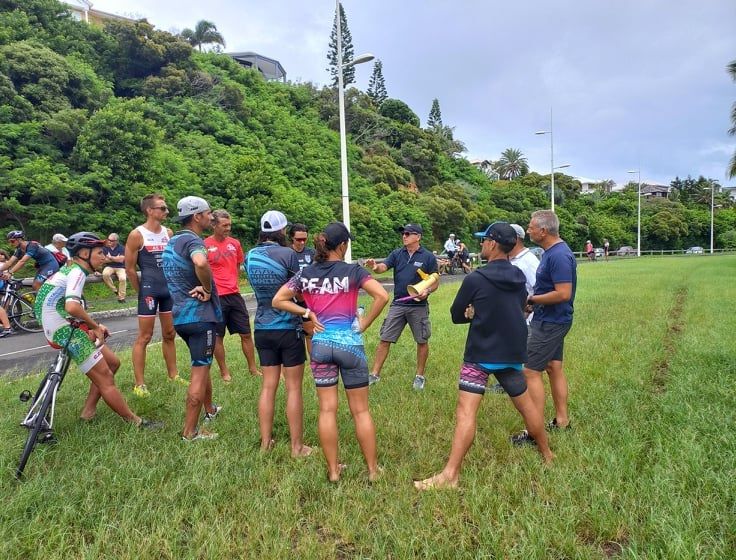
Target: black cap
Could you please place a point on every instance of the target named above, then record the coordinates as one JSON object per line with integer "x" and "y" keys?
{"x": 501, "y": 232}
{"x": 336, "y": 233}
{"x": 410, "y": 228}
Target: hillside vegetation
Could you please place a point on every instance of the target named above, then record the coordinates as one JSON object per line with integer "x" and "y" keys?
{"x": 92, "y": 119}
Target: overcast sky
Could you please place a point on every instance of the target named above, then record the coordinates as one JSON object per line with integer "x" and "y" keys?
{"x": 631, "y": 82}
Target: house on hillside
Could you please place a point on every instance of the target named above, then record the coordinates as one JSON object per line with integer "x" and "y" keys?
{"x": 730, "y": 191}
{"x": 83, "y": 11}
{"x": 269, "y": 67}
{"x": 486, "y": 167}
{"x": 587, "y": 185}
{"x": 655, "y": 190}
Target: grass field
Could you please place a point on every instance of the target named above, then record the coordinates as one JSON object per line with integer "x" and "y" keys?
{"x": 647, "y": 472}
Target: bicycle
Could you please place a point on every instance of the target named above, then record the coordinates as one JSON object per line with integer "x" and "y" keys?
{"x": 456, "y": 264}
{"x": 40, "y": 417}
{"x": 19, "y": 302}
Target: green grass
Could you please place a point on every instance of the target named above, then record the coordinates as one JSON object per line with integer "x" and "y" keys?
{"x": 647, "y": 472}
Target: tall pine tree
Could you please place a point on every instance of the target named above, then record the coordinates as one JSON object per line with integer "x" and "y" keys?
{"x": 348, "y": 75}
{"x": 377, "y": 85}
{"x": 435, "y": 115}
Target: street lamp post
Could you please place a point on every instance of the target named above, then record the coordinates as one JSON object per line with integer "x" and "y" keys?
{"x": 551, "y": 158}
{"x": 713, "y": 206}
{"x": 638, "y": 211}
{"x": 343, "y": 140}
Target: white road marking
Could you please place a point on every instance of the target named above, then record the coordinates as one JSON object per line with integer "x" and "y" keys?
{"x": 46, "y": 346}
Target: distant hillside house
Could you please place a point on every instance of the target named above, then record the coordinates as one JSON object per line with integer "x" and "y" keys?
{"x": 655, "y": 190}
{"x": 82, "y": 10}
{"x": 587, "y": 185}
{"x": 270, "y": 68}
{"x": 730, "y": 191}
{"x": 485, "y": 166}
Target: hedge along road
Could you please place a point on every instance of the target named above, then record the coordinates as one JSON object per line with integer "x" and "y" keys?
{"x": 28, "y": 353}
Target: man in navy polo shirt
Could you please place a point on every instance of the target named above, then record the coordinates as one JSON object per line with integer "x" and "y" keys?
{"x": 406, "y": 263}
{"x": 552, "y": 302}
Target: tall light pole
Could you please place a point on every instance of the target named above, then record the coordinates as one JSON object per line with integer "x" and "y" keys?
{"x": 712, "y": 190}
{"x": 638, "y": 211}
{"x": 551, "y": 157}
{"x": 343, "y": 140}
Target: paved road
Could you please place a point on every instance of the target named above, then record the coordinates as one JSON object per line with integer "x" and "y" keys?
{"x": 27, "y": 353}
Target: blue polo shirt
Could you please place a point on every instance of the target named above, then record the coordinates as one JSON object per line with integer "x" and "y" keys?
{"x": 557, "y": 266}
{"x": 405, "y": 271}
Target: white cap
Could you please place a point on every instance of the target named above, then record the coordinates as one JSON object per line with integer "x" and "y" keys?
{"x": 59, "y": 237}
{"x": 189, "y": 206}
{"x": 519, "y": 231}
{"x": 452, "y": 235}
{"x": 273, "y": 220}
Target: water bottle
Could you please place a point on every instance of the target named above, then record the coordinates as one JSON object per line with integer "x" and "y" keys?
{"x": 356, "y": 321}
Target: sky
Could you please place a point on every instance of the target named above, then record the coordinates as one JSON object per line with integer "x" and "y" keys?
{"x": 632, "y": 84}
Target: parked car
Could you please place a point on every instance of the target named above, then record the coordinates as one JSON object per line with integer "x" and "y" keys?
{"x": 626, "y": 251}
{"x": 598, "y": 252}
{"x": 695, "y": 251}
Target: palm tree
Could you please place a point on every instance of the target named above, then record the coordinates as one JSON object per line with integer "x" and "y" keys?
{"x": 205, "y": 33}
{"x": 732, "y": 131}
{"x": 512, "y": 164}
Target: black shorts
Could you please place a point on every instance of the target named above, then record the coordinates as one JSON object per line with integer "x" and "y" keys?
{"x": 234, "y": 315}
{"x": 200, "y": 338}
{"x": 280, "y": 347}
{"x": 152, "y": 300}
{"x": 546, "y": 343}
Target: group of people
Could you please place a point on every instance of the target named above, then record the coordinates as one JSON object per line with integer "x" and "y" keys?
{"x": 308, "y": 307}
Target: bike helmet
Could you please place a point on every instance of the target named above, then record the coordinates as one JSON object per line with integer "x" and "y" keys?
{"x": 16, "y": 234}
{"x": 83, "y": 240}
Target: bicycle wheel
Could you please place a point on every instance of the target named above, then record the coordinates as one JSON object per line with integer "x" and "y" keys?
{"x": 38, "y": 423}
{"x": 23, "y": 315}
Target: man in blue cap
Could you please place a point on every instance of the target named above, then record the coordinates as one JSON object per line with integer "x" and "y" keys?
{"x": 492, "y": 299}
{"x": 406, "y": 262}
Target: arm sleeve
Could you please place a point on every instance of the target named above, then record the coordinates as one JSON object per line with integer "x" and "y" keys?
{"x": 361, "y": 275}
{"x": 431, "y": 264}
{"x": 390, "y": 261}
{"x": 560, "y": 269}
{"x": 240, "y": 252}
{"x": 75, "y": 280}
{"x": 463, "y": 298}
{"x": 292, "y": 266}
{"x": 195, "y": 245}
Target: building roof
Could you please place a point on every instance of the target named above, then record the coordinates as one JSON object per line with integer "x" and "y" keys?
{"x": 269, "y": 67}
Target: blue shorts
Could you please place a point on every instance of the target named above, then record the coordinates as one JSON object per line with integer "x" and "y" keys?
{"x": 151, "y": 301}
{"x": 200, "y": 338}
{"x": 330, "y": 359}
{"x": 43, "y": 274}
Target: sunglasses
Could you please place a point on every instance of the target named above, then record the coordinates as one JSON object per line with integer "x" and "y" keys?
{"x": 300, "y": 239}
{"x": 408, "y": 233}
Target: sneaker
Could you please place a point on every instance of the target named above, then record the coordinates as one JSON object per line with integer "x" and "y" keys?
{"x": 200, "y": 435}
{"x": 523, "y": 438}
{"x": 497, "y": 388}
{"x": 212, "y": 415}
{"x": 6, "y": 332}
{"x": 179, "y": 379}
{"x": 373, "y": 378}
{"x": 150, "y": 424}
{"x": 419, "y": 382}
{"x": 552, "y": 425}
{"x": 141, "y": 391}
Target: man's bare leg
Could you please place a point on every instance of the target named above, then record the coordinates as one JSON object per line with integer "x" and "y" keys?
{"x": 90, "y": 405}
{"x": 168, "y": 344}
{"x": 465, "y": 424}
{"x": 145, "y": 333}
{"x": 535, "y": 386}
{"x": 267, "y": 403}
{"x": 422, "y": 355}
{"x": 196, "y": 398}
{"x": 249, "y": 351}
{"x": 558, "y": 387}
{"x": 534, "y": 423}
{"x": 220, "y": 359}
{"x": 382, "y": 351}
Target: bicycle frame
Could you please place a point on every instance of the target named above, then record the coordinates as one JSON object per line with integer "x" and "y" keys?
{"x": 58, "y": 369}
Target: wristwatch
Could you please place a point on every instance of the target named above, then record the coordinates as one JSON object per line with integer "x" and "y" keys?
{"x": 306, "y": 313}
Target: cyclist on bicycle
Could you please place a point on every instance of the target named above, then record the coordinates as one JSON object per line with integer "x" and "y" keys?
{"x": 450, "y": 246}
{"x": 464, "y": 256}
{"x": 46, "y": 263}
{"x": 60, "y": 299}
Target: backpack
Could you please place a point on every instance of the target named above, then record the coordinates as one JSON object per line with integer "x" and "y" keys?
{"x": 60, "y": 257}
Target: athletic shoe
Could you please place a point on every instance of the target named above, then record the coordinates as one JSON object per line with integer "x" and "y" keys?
{"x": 212, "y": 415}
{"x": 141, "y": 391}
{"x": 150, "y": 424}
{"x": 497, "y": 388}
{"x": 418, "y": 382}
{"x": 373, "y": 378}
{"x": 523, "y": 438}
{"x": 200, "y": 435}
{"x": 179, "y": 379}
{"x": 552, "y": 425}
{"x": 6, "y": 332}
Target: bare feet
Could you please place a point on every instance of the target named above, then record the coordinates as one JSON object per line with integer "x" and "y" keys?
{"x": 303, "y": 451}
{"x": 227, "y": 378}
{"x": 87, "y": 417}
{"x": 257, "y": 372}
{"x": 268, "y": 446}
{"x": 335, "y": 477}
{"x": 375, "y": 475}
{"x": 548, "y": 458}
{"x": 437, "y": 481}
